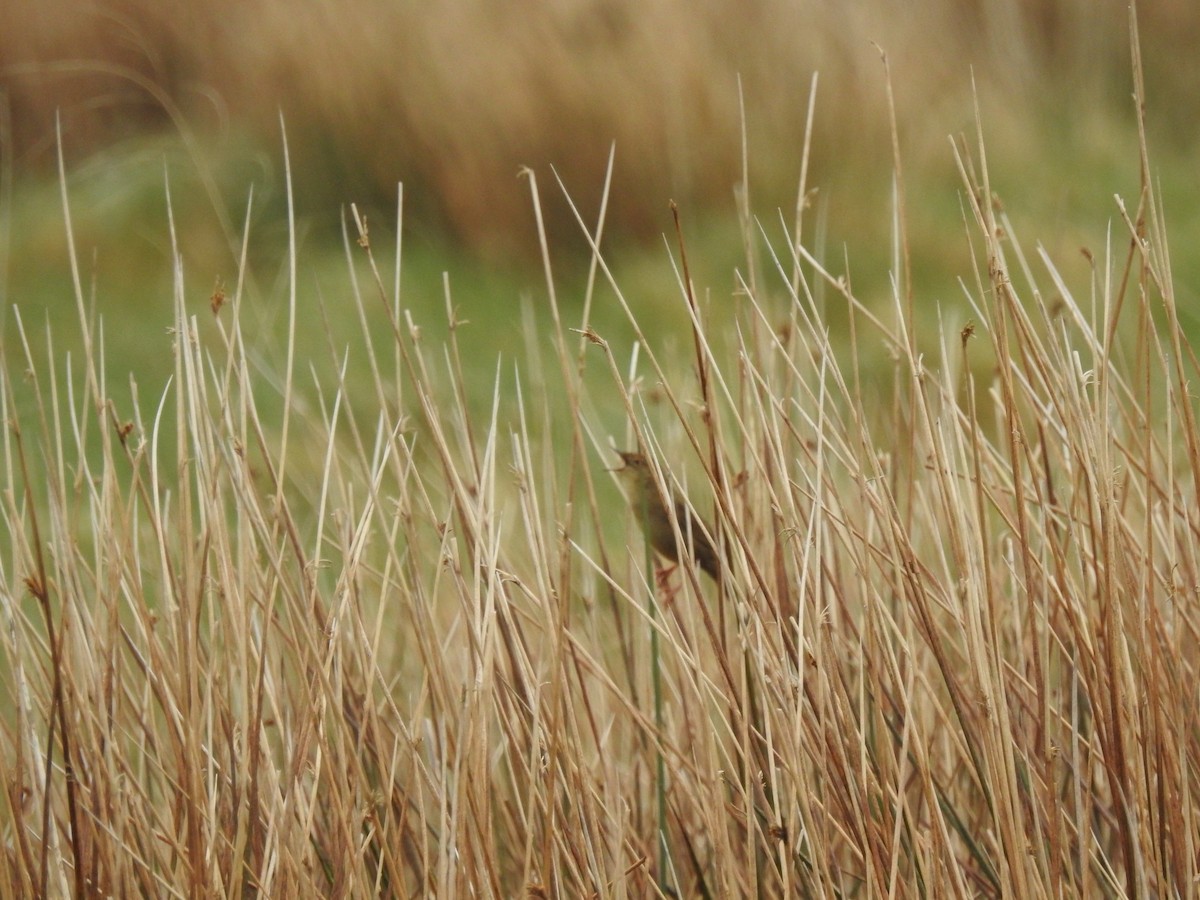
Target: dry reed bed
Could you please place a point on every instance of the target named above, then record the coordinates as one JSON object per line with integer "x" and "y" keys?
{"x": 418, "y": 652}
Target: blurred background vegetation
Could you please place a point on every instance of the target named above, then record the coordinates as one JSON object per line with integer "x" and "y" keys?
{"x": 453, "y": 98}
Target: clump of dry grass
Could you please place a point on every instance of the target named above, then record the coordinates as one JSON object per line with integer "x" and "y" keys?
{"x": 312, "y": 652}
{"x": 453, "y": 99}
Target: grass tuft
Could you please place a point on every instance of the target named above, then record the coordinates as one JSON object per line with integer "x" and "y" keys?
{"x": 258, "y": 639}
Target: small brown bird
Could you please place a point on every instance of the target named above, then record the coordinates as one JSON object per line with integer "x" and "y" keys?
{"x": 656, "y": 523}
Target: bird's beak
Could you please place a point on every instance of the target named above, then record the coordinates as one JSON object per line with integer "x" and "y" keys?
{"x": 625, "y": 457}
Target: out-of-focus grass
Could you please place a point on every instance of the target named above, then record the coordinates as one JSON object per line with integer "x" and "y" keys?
{"x": 453, "y": 100}
{"x": 373, "y": 94}
{"x": 118, "y": 204}
{"x": 1061, "y": 178}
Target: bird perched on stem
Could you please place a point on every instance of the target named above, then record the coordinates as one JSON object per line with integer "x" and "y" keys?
{"x": 655, "y": 521}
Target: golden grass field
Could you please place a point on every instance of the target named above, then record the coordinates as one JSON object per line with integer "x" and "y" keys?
{"x": 310, "y": 596}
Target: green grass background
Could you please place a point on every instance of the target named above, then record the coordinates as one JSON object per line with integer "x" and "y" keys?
{"x": 139, "y": 116}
